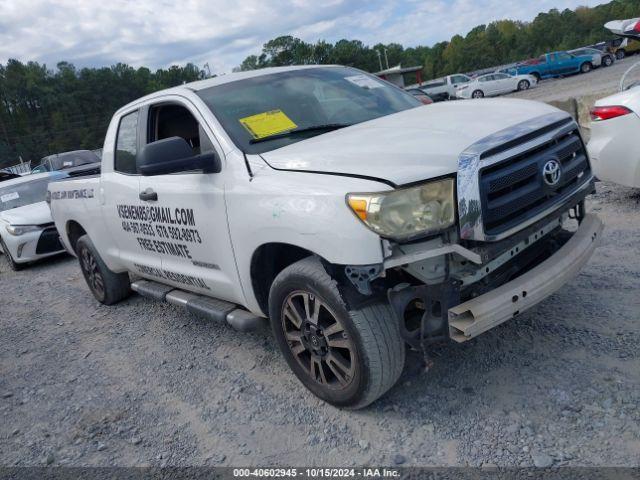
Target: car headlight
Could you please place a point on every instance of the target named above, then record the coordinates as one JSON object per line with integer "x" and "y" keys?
{"x": 18, "y": 230}
{"x": 407, "y": 212}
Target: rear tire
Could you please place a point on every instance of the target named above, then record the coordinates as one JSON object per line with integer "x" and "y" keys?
{"x": 607, "y": 61}
{"x": 314, "y": 328}
{"x": 477, "y": 94}
{"x": 8, "y": 259}
{"x": 585, "y": 67}
{"x": 620, "y": 54}
{"x": 107, "y": 287}
{"x": 523, "y": 85}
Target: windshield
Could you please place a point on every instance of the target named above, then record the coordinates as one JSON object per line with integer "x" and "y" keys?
{"x": 22, "y": 194}
{"x": 264, "y": 113}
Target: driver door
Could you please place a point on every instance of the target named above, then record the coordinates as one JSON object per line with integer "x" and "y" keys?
{"x": 188, "y": 209}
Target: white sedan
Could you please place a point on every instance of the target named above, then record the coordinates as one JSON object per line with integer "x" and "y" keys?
{"x": 27, "y": 232}
{"x": 613, "y": 147}
{"x": 495, "y": 84}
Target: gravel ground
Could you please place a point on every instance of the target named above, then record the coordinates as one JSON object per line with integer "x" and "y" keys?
{"x": 603, "y": 81}
{"x": 143, "y": 383}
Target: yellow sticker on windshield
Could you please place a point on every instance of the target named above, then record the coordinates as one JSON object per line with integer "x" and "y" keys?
{"x": 267, "y": 124}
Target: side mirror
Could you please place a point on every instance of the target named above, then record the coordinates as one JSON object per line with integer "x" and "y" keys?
{"x": 173, "y": 155}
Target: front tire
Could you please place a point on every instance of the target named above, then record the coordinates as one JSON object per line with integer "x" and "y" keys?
{"x": 107, "y": 287}
{"x": 477, "y": 94}
{"x": 523, "y": 85}
{"x": 8, "y": 259}
{"x": 347, "y": 358}
{"x": 585, "y": 67}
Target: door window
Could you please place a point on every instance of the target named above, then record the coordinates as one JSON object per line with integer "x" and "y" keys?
{"x": 127, "y": 144}
{"x": 172, "y": 120}
{"x": 460, "y": 79}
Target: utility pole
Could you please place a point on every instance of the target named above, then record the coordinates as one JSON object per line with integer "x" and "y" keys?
{"x": 380, "y": 59}
{"x": 386, "y": 60}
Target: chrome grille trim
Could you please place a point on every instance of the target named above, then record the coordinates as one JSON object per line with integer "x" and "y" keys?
{"x": 472, "y": 160}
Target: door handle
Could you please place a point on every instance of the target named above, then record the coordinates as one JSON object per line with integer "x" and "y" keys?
{"x": 148, "y": 195}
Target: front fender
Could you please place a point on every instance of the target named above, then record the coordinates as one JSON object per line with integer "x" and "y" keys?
{"x": 304, "y": 210}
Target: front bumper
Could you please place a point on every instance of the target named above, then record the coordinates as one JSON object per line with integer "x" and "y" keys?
{"x": 482, "y": 313}
{"x": 24, "y": 248}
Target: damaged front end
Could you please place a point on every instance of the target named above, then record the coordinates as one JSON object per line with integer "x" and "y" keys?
{"x": 522, "y": 233}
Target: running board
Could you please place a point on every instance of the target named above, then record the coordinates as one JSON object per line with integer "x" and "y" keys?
{"x": 199, "y": 305}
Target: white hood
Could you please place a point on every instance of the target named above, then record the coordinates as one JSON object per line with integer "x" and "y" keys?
{"x": 34, "y": 214}
{"x": 409, "y": 146}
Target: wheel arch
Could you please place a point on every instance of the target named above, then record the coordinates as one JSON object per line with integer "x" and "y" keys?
{"x": 74, "y": 231}
{"x": 267, "y": 261}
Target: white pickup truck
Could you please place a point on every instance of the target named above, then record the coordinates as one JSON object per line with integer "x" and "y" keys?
{"x": 338, "y": 206}
{"x": 445, "y": 88}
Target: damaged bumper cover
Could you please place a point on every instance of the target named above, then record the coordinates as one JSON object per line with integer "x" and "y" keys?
{"x": 482, "y": 313}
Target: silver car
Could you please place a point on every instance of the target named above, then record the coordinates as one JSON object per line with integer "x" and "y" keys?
{"x": 600, "y": 58}
{"x": 27, "y": 232}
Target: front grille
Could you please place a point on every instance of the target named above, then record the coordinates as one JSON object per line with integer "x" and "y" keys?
{"x": 513, "y": 190}
{"x": 49, "y": 241}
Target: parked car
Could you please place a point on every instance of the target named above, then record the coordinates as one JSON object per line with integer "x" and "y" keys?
{"x": 615, "y": 123}
{"x": 629, "y": 31}
{"x": 625, "y": 47}
{"x": 444, "y": 88}
{"x": 27, "y": 232}
{"x": 61, "y": 161}
{"x": 495, "y": 84}
{"x": 321, "y": 197}
{"x": 420, "y": 95}
{"x": 554, "y": 65}
{"x": 600, "y": 58}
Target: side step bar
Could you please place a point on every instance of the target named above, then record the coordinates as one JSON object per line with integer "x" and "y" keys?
{"x": 199, "y": 305}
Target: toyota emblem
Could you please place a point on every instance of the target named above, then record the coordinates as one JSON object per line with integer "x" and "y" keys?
{"x": 551, "y": 172}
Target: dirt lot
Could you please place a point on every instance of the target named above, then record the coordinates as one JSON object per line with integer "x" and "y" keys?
{"x": 144, "y": 383}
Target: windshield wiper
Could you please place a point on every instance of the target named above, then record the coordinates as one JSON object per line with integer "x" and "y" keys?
{"x": 327, "y": 126}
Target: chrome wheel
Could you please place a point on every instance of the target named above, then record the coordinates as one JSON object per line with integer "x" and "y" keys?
{"x": 523, "y": 85}
{"x": 478, "y": 94}
{"x": 318, "y": 341}
{"x": 92, "y": 273}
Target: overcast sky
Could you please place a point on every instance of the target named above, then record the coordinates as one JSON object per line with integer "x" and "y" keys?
{"x": 157, "y": 33}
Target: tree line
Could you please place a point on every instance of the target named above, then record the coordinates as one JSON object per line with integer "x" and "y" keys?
{"x": 44, "y": 111}
{"x": 498, "y": 43}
